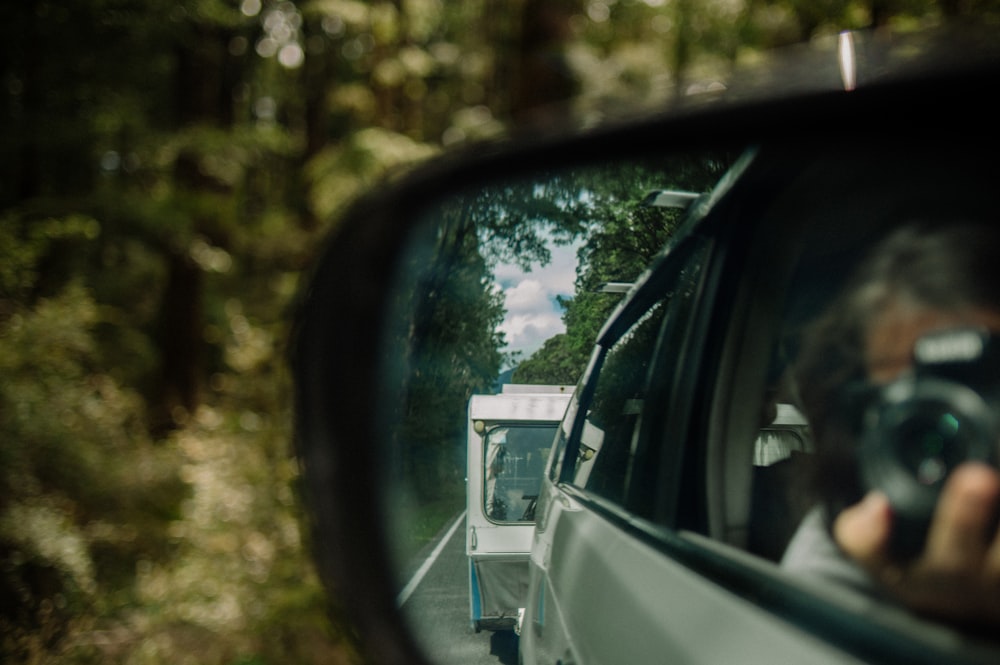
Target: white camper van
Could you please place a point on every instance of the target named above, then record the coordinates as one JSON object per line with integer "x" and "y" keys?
{"x": 510, "y": 435}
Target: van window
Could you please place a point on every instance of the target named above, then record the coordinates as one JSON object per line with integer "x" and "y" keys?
{"x": 514, "y": 462}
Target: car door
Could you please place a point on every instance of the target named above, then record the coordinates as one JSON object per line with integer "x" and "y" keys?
{"x": 631, "y": 559}
{"x": 592, "y": 572}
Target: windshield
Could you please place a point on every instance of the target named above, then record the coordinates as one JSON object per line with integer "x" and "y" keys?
{"x": 514, "y": 461}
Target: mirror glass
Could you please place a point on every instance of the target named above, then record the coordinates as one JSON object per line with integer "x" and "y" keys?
{"x": 507, "y": 284}
{"x": 477, "y": 375}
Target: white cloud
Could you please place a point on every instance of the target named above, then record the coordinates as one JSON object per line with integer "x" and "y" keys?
{"x": 531, "y": 319}
{"x": 528, "y": 295}
{"x": 533, "y": 315}
{"x": 557, "y": 277}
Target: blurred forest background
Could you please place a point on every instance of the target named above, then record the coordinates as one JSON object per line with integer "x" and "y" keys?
{"x": 168, "y": 169}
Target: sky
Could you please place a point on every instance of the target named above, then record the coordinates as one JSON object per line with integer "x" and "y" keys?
{"x": 533, "y": 315}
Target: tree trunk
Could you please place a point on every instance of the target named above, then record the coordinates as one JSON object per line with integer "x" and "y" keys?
{"x": 205, "y": 76}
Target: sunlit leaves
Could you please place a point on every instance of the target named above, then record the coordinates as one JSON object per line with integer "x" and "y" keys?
{"x": 350, "y": 13}
{"x": 75, "y": 452}
{"x": 340, "y": 173}
{"x": 282, "y": 34}
{"x": 46, "y": 533}
{"x": 23, "y": 244}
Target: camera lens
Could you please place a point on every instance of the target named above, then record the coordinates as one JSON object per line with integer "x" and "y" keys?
{"x": 915, "y": 431}
{"x": 932, "y": 442}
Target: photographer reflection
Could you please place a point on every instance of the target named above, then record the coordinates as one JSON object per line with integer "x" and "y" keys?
{"x": 900, "y": 381}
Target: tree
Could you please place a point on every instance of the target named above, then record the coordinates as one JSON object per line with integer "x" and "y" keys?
{"x": 167, "y": 169}
{"x": 451, "y": 318}
{"x": 624, "y": 237}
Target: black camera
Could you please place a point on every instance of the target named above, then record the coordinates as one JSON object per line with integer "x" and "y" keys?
{"x": 916, "y": 430}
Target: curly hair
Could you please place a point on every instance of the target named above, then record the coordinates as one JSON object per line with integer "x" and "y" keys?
{"x": 948, "y": 266}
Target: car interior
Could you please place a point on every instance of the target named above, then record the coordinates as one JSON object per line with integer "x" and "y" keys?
{"x": 809, "y": 231}
{"x": 790, "y": 228}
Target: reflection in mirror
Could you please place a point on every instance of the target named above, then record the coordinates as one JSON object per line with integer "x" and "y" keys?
{"x": 461, "y": 325}
{"x": 514, "y": 461}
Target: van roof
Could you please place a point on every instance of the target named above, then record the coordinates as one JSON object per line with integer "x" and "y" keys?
{"x": 529, "y": 407}
{"x": 521, "y": 388}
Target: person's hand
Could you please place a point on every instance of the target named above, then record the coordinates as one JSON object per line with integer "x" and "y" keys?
{"x": 957, "y": 576}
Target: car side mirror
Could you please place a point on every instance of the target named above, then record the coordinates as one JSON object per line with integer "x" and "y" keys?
{"x": 358, "y": 345}
{"x": 358, "y": 324}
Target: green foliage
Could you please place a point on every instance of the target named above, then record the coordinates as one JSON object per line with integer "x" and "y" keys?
{"x": 83, "y": 489}
{"x": 451, "y": 316}
{"x": 25, "y": 243}
{"x": 340, "y": 173}
{"x": 166, "y": 170}
{"x": 416, "y": 523}
{"x": 622, "y": 238}
{"x": 556, "y": 363}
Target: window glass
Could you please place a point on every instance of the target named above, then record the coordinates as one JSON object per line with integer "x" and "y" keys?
{"x": 514, "y": 463}
{"x": 562, "y": 436}
{"x": 654, "y": 475}
{"x": 606, "y": 438}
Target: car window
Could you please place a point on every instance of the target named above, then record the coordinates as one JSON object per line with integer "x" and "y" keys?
{"x": 609, "y": 424}
{"x": 614, "y": 460}
{"x": 655, "y": 482}
{"x": 562, "y": 436}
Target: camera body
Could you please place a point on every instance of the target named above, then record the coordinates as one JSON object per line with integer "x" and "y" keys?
{"x": 916, "y": 430}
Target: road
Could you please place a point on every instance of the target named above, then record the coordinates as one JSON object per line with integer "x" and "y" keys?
{"x": 437, "y": 606}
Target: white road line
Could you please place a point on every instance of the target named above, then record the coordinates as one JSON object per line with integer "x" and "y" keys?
{"x": 404, "y": 595}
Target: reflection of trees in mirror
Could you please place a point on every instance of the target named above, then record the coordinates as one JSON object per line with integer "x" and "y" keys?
{"x": 622, "y": 238}
{"x": 449, "y": 307}
{"x": 616, "y": 404}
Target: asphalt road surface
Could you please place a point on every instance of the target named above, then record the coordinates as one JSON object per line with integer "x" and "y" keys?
{"x": 436, "y": 603}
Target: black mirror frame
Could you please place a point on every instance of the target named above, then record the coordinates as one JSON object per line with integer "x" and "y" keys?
{"x": 335, "y": 348}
